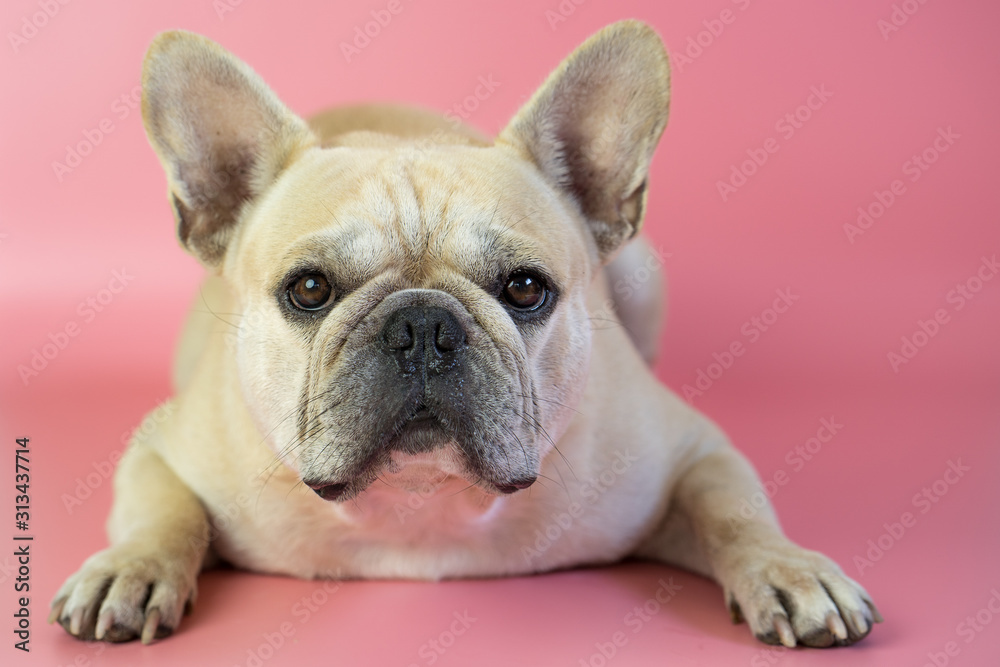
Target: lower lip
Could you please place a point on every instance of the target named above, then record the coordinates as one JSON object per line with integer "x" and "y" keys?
{"x": 422, "y": 415}
{"x": 331, "y": 492}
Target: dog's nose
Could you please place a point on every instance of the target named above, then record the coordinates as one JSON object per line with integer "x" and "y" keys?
{"x": 423, "y": 335}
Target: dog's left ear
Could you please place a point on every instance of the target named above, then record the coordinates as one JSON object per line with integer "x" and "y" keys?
{"x": 592, "y": 127}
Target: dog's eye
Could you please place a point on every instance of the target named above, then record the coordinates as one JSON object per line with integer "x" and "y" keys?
{"x": 524, "y": 291}
{"x": 310, "y": 291}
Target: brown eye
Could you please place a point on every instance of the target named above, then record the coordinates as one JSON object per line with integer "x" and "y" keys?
{"x": 524, "y": 291}
{"x": 310, "y": 291}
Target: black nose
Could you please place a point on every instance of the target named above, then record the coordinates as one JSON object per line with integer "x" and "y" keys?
{"x": 423, "y": 336}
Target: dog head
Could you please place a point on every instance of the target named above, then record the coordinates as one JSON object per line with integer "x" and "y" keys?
{"x": 411, "y": 298}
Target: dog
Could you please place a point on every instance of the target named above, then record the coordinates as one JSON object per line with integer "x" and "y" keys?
{"x": 401, "y": 364}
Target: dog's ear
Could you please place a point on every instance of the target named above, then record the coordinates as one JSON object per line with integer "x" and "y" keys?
{"x": 592, "y": 127}
{"x": 221, "y": 134}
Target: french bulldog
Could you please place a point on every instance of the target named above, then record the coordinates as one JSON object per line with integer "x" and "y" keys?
{"x": 408, "y": 359}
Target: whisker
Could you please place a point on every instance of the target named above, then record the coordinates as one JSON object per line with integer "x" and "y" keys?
{"x": 560, "y": 485}
{"x": 470, "y": 486}
{"x": 549, "y": 400}
{"x": 495, "y": 209}
{"x": 208, "y": 308}
{"x": 293, "y": 487}
{"x": 522, "y": 219}
{"x": 300, "y": 439}
{"x": 293, "y": 411}
{"x": 534, "y": 421}
{"x": 274, "y": 467}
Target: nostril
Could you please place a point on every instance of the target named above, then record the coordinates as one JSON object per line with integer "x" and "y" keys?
{"x": 449, "y": 336}
{"x": 400, "y": 336}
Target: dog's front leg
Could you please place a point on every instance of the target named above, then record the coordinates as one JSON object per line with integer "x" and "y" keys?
{"x": 139, "y": 586}
{"x": 786, "y": 594}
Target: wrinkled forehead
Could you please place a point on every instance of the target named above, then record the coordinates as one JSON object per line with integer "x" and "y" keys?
{"x": 460, "y": 208}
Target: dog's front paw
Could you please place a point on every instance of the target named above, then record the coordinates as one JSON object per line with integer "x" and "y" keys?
{"x": 789, "y": 595}
{"x": 124, "y": 593}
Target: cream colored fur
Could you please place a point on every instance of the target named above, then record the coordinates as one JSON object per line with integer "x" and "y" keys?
{"x": 408, "y": 198}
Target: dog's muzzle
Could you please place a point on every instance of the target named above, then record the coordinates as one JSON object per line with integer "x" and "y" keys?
{"x": 427, "y": 391}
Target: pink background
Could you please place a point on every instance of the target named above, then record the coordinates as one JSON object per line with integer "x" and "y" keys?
{"x": 61, "y": 241}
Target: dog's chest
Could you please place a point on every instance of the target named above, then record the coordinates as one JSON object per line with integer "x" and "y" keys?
{"x": 422, "y": 513}
{"x": 434, "y": 532}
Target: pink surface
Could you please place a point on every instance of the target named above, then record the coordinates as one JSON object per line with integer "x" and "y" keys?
{"x": 880, "y": 97}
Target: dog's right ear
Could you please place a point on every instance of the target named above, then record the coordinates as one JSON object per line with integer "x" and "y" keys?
{"x": 222, "y": 135}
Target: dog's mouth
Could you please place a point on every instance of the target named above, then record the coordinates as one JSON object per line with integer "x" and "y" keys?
{"x": 421, "y": 451}
{"x": 422, "y": 413}
{"x": 423, "y": 430}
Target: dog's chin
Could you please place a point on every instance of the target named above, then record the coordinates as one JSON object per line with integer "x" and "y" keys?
{"x": 405, "y": 470}
{"x": 424, "y": 473}
{"x": 424, "y": 459}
